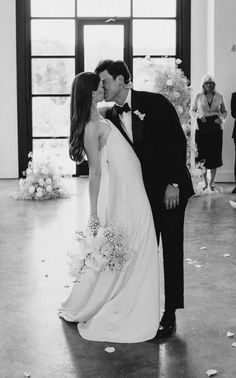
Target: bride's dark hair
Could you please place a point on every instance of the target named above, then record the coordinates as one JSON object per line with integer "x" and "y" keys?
{"x": 81, "y": 100}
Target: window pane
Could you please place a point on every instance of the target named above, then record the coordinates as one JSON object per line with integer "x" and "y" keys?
{"x": 142, "y": 68}
{"x": 51, "y": 116}
{"x": 53, "y": 37}
{"x": 52, "y": 75}
{"x": 58, "y": 151}
{"x": 154, "y": 37}
{"x": 154, "y": 8}
{"x": 52, "y": 8}
{"x": 103, "y": 8}
{"x": 102, "y": 42}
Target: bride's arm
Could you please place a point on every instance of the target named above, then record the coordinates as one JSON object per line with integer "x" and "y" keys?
{"x": 91, "y": 145}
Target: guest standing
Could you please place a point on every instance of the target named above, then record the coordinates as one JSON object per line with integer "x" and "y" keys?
{"x": 233, "y": 113}
{"x": 209, "y": 109}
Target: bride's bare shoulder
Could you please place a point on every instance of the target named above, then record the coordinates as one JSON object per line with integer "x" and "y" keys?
{"x": 91, "y": 129}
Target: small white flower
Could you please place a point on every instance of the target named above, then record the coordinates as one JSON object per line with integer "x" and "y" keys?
{"x": 49, "y": 181}
{"x": 29, "y": 171}
{"x": 180, "y": 109}
{"x": 30, "y": 154}
{"x": 41, "y": 182}
{"x": 176, "y": 94}
{"x": 140, "y": 115}
{"x": 233, "y": 204}
{"x": 44, "y": 171}
{"x": 109, "y": 349}
{"x": 49, "y": 188}
{"x": 39, "y": 194}
{"x": 178, "y": 61}
{"x": 31, "y": 189}
{"x": 27, "y": 374}
{"x": 169, "y": 83}
{"x": 211, "y": 372}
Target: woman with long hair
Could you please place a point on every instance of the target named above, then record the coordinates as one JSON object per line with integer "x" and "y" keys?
{"x": 116, "y": 305}
{"x": 209, "y": 109}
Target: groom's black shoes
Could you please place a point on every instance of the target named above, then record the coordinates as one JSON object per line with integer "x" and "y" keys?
{"x": 167, "y": 325}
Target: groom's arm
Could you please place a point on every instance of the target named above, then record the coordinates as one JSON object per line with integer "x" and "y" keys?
{"x": 172, "y": 135}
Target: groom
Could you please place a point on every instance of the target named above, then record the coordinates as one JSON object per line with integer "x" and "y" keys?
{"x": 151, "y": 125}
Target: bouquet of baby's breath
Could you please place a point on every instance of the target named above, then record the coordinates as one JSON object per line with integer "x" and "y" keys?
{"x": 90, "y": 254}
{"x": 42, "y": 181}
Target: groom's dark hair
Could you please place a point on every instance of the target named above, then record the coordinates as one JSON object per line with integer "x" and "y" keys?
{"x": 114, "y": 68}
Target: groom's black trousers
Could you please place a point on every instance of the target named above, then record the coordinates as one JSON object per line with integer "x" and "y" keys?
{"x": 169, "y": 224}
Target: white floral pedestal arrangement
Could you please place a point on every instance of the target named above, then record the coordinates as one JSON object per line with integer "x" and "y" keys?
{"x": 42, "y": 181}
{"x": 171, "y": 82}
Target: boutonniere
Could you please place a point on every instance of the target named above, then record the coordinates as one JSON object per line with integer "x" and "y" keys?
{"x": 140, "y": 115}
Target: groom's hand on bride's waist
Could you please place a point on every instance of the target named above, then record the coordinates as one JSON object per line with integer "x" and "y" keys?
{"x": 171, "y": 197}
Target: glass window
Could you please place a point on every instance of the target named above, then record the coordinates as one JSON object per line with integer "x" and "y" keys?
{"x": 154, "y": 37}
{"x": 154, "y": 8}
{"x": 53, "y": 37}
{"x": 52, "y": 76}
{"x": 51, "y": 116}
{"x": 103, "y": 8}
{"x": 52, "y": 8}
{"x": 58, "y": 150}
{"x": 102, "y": 42}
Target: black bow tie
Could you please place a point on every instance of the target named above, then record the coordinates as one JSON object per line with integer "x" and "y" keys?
{"x": 121, "y": 109}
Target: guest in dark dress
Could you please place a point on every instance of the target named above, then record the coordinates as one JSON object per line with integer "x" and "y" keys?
{"x": 209, "y": 109}
{"x": 233, "y": 113}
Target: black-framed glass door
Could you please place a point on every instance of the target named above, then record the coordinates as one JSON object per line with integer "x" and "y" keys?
{"x": 99, "y": 39}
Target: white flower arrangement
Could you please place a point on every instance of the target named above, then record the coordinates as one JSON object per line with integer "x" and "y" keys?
{"x": 90, "y": 254}
{"x": 173, "y": 84}
{"x": 42, "y": 181}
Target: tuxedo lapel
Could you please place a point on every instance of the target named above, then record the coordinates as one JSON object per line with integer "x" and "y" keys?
{"x": 137, "y": 123}
{"x": 116, "y": 120}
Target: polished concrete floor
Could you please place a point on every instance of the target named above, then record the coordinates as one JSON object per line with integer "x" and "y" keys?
{"x": 34, "y": 279}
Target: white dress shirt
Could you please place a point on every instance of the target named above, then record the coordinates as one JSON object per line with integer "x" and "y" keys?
{"x": 126, "y": 118}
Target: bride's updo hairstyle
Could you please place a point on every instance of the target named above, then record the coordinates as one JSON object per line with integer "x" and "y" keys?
{"x": 81, "y": 100}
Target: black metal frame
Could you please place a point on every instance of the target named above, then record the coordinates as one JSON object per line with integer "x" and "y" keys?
{"x": 23, "y": 36}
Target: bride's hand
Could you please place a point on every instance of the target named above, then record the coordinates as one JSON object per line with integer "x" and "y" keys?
{"x": 93, "y": 224}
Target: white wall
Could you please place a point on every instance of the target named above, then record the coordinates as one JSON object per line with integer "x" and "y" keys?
{"x": 213, "y": 34}
{"x": 8, "y": 97}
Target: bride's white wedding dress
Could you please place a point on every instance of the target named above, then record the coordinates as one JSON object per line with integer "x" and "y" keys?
{"x": 121, "y": 306}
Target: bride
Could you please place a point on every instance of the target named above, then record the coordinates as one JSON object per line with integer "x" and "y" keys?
{"x": 116, "y": 306}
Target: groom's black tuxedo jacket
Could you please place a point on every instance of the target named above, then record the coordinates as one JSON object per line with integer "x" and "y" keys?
{"x": 233, "y": 113}
{"x": 160, "y": 144}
